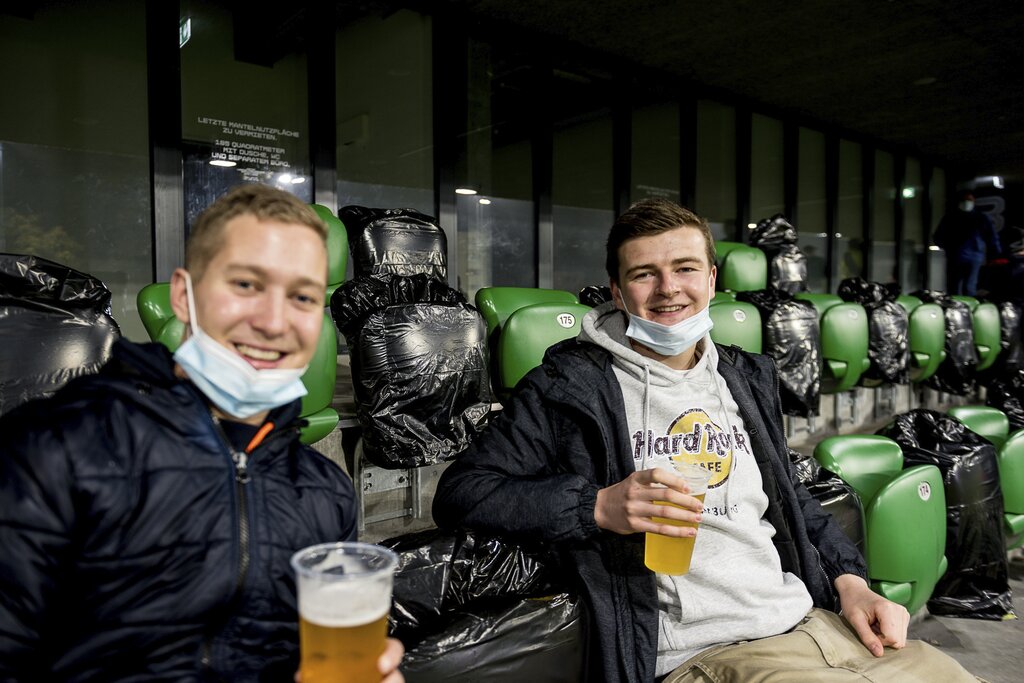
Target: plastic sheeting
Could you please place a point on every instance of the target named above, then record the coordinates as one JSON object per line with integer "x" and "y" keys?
{"x": 787, "y": 265}
{"x": 595, "y": 295}
{"x": 399, "y": 241}
{"x": 419, "y": 367}
{"x": 888, "y": 330}
{"x": 833, "y": 494}
{"x": 471, "y": 607}
{"x": 792, "y": 337}
{"x": 956, "y": 375}
{"x": 55, "y": 325}
{"x": 976, "y": 582}
{"x": 1011, "y": 337}
{"x": 1007, "y": 394}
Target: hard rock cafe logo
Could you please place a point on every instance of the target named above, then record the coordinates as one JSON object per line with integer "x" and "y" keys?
{"x": 694, "y": 437}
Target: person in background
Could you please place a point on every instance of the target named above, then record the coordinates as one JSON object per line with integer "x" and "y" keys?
{"x": 567, "y": 462}
{"x": 968, "y": 238}
{"x": 148, "y": 512}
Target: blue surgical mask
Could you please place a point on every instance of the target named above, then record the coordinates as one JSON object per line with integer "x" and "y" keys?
{"x": 233, "y": 385}
{"x": 669, "y": 340}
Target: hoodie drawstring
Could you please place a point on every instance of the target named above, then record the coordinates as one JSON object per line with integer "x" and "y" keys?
{"x": 646, "y": 415}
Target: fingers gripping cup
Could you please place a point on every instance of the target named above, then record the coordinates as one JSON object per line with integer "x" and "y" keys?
{"x": 668, "y": 554}
{"x": 344, "y": 599}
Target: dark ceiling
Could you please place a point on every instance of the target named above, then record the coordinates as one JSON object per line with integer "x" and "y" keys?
{"x": 939, "y": 79}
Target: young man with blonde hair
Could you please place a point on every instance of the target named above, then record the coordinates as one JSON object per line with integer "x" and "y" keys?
{"x": 148, "y": 512}
{"x": 569, "y": 461}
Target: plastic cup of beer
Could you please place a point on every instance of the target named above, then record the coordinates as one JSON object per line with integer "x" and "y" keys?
{"x": 669, "y": 554}
{"x": 344, "y": 594}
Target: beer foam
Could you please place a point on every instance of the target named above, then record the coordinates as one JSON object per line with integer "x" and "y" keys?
{"x": 344, "y": 603}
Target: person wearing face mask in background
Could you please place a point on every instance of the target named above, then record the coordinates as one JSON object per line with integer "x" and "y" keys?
{"x": 148, "y": 512}
{"x": 568, "y": 463}
{"x": 969, "y": 238}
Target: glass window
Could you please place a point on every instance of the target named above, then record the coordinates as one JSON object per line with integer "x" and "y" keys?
{"x": 849, "y": 237}
{"x": 497, "y": 242}
{"x": 385, "y": 112}
{"x": 914, "y": 238}
{"x": 937, "y": 257}
{"x": 74, "y": 146}
{"x": 716, "y": 167}
{"x": 232, "y": 130}
{"x": 813, "y": 240}
{"x": 883, "y": 239}
{"x": 582, "y": 210}
{"x": 655, "y": 153}
{"x": 766, "y": 168}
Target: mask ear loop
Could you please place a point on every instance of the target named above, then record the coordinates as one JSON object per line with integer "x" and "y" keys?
{"x": 193, "y": 320}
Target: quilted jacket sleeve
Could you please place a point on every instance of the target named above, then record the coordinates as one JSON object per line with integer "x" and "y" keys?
{"x": 513, "y": 479}
{"x": 36, "y": 512}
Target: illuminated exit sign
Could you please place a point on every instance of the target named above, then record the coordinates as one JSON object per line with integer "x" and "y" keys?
{"x": 184, "y": 32}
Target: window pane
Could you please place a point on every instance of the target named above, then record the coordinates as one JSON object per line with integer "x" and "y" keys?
{"x": 497, "y": 242}
{"x": 655, "y": 153}
{"x": 228, "y": 117}
{"x": 582, "y": 183}
{"x": 883, "y": 251}
{"x": 716, "y": 167}
{"x": 914, "y": 239}
{"x": 74, "y": 170}
{"x": 385, "y": 112}
{"x": 849, "y": 236}
{"x": 813, "y": 239}
{"x": 766, "y": 168}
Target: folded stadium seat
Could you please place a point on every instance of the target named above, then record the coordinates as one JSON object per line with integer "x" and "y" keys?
{"x": 496, "y": 304}
{"x": 154, "y": 305}
{"x": 927, "y": 334}
{"x": 1011, "y": 480}
{"x": 844, "y": 341}
{"x": 527, "y": 334}
{"x": 985, "y": 421}
{"x": 904, "y": 510}
{"x": 741, "y": 268}
{"x": 736, "y": 323}
{"x": 987, "y": 330}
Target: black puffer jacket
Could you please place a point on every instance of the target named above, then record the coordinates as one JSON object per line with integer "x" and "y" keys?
{"x": 130, "y": 550}
{"x": 534, "y": 474}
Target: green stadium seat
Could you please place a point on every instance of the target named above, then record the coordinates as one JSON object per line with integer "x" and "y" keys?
{"x": 927, "y": 334}
{"x": 985, "y": 421}
{"x": 736, "y": 323}
{"x": 496, "y": 304}
{"x": 741, "y": 268}
{"x": 337, "y": 248}
{"x": 904, "y": 512}
{"x": 987, "y": 330}
{"x": 1011, "y": 480}
{"x": 528, "y": 333}
{"x": 844, "y": 341}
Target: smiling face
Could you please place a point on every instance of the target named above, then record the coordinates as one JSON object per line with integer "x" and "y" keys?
{"x": 665, "y": 278}
{"x": 262, "y": 293}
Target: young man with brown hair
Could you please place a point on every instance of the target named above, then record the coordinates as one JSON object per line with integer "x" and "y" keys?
{"x": 569, "y": 461}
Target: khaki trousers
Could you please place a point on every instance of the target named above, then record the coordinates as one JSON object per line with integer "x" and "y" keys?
{"x": 824, "y": 648}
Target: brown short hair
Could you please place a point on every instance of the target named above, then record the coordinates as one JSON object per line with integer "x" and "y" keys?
{"x": 652, "y": 217}
{"x": 263, "y": 202}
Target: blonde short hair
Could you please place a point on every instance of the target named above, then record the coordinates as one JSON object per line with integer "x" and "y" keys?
{"x": 263, "y": 202}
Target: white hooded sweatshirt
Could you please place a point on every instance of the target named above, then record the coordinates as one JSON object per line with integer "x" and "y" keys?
{"x": 735, "y": 589}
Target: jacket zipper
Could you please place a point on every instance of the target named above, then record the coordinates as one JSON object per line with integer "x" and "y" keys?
{"x": 241, "y": 462}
